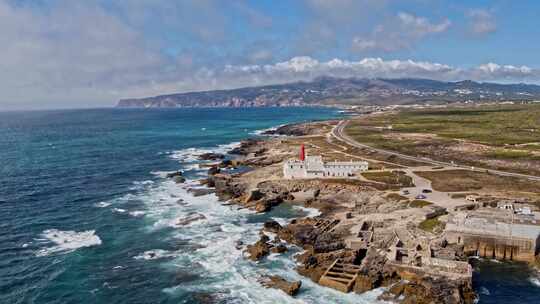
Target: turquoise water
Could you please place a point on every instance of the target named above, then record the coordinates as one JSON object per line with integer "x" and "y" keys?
{"x": 86, "y": 215}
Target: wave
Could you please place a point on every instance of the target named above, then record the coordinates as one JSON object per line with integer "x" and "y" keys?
{"x": 102, "y": 204}
{"x": 192, "y": 154}
{"x": 535, "y": 281}
{"x": 67, "y": 241}
{"x": 219, "y": 235}
{"x": 483, "y": 290}
{"x": 310, "y": 212}
{"x": 262, "y": 131}
{"x": 137, "y": 213}
{"x": 156, "y": 254}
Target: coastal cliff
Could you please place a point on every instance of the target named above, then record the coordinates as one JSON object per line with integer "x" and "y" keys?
{"x": 344, "y": 91}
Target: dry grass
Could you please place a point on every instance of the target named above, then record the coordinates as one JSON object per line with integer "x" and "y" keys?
{"x": 396, "y": 197}
{"x": 419, "y": 203}
{"x": 465, "y": 180}
{"x": 396, "y": 178}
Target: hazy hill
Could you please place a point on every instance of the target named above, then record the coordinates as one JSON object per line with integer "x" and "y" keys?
{"x": 330, "y": 90}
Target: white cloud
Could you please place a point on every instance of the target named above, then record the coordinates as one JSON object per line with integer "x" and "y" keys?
{"x": 481, "y": 22}
{"x": 420, "y": 26}
{"x": 401, "y": 32}
{"x": 71, "y": 48}
{"x": 305, "y": 68}
{"x": 77, "y": 53}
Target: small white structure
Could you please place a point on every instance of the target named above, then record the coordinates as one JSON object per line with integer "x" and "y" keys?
{"x": 314, "y": 167}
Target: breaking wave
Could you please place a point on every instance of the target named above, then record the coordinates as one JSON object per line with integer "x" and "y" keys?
{"x": 219, "y": 235}
{"x": 67, "y": 241}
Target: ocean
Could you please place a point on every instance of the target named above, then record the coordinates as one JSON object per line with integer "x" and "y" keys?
{"x": 87, "y": 215}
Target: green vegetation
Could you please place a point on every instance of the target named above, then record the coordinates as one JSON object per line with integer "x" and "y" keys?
{"x": 503, "y": 137}
{"x": 511, "y": 154}
{"x": 419, "y": 203}
{"x": 494, "y": 125}
{"x": 398, "y": 178}
{"x": 432, "y": 225}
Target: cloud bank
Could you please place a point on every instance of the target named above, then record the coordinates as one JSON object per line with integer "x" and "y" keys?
{"x": 68, "y": 53}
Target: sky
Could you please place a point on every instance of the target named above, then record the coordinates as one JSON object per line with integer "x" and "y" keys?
{"x": 91, "y": 53}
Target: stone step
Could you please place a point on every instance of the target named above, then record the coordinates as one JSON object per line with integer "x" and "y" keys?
{"x": 344, "y": 274}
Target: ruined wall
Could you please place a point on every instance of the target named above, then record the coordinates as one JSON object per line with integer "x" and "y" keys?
{"x": 496, "y": 247}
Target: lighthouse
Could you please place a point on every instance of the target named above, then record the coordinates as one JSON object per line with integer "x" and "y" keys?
{"x": 313, "y": 166}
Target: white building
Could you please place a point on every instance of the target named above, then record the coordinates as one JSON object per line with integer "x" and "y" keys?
{"x": 314, "y": 167}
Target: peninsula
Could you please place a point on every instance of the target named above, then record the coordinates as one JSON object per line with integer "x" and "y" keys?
{"x": 406, "y": 222}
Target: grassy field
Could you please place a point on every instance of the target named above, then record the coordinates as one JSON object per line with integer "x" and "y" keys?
{"x": 432, "y": 225}
{"x": 497, "y": 137}
{"x": 465, "y": 180}
{"x": 489, "y": 125}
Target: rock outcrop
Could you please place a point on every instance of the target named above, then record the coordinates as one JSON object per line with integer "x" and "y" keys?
{"x": 211, "y": 156}
{"x": 174, "y": 174}
{"x": 290, "y": 288}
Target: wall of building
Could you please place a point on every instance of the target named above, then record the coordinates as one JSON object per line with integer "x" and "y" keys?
{"x": 313, "y": 167}
{"x": 496, "y": 247}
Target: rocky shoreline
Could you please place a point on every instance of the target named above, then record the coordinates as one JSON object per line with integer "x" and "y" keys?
{"x": 250, "y": 177}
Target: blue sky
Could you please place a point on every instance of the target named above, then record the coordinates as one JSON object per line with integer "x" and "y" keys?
{"x": 69, "y": 53}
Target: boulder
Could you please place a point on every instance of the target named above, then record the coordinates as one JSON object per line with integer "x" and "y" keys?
{"x": 246, "y": 147}
{"x": 253, "y": 195}
{"x": 190, "y": 219}
{"x": 263, "y": 206}
{"x": 174, "y": 174}
{"x": 179, "y": 179}
{"x": 272, "y": 226}
{"x": 279, "y": 249}
{"x": 290, "y": 288}
{"x": 258, "y": 250}
{"x": 213, "y": 170}
{"x": 200, "y": 191}
{"x": 211, "y": 156}
{"x": 227, "y": 163}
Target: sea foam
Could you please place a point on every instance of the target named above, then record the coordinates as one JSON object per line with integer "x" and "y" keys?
{"x": 218, "y": 259}
{"x": 67, "y": 241}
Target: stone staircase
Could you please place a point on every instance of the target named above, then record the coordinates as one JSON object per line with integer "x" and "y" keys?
{"x": 340, "y": 276}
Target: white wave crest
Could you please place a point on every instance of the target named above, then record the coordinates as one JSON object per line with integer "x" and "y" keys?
{"x": 67, "y": 241}
{"x": 192, "y": 154}
{"x": 310, "y": 212}
{"x": 484, "y": 291}
{"x": 102, "y": 204}
{"x": 262, "y": 131}
{"x": 156, "y": 254}
{"x": 535, "y": 281}
{"x": 217, "y": 231}
{"x": 137, "y": 213}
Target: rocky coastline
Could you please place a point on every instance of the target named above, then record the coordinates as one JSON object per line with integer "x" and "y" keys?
{"x": 250, "y": 177}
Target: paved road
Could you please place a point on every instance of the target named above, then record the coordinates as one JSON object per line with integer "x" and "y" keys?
{"x": 339, "y": 134}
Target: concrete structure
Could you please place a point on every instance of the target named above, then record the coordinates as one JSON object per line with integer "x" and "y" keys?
{"x": 496, "y": 233}
{"x": 416, "y": 254}
{"x": 340, "y": 276}
{"x": 315, "y": 167}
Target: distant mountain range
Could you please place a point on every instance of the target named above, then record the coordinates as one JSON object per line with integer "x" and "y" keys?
{"x": 345, "y": 91}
